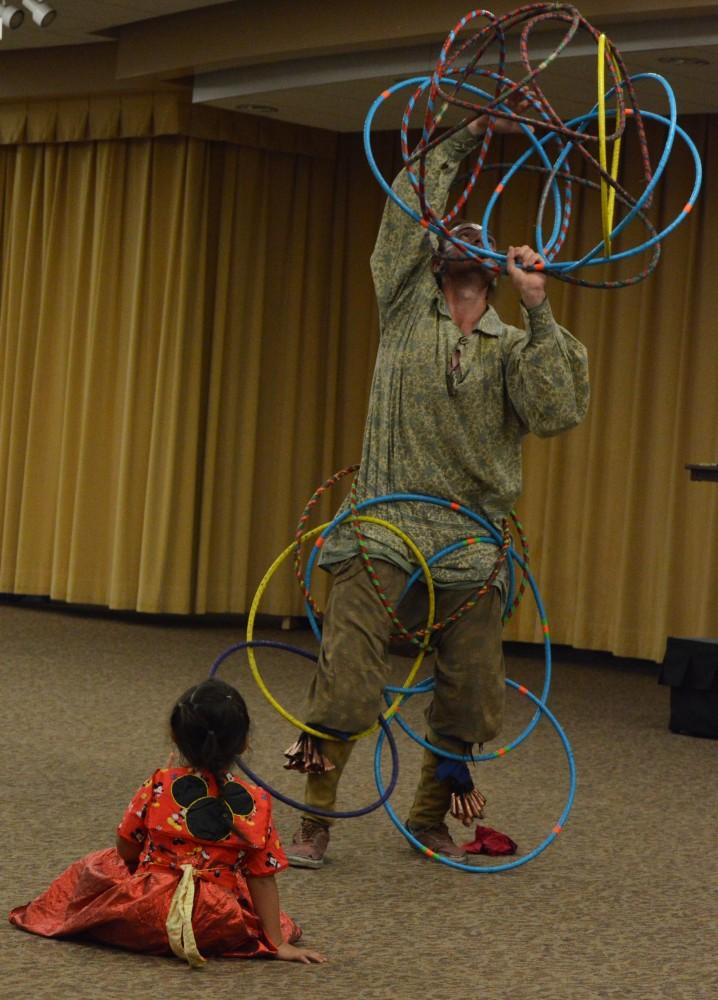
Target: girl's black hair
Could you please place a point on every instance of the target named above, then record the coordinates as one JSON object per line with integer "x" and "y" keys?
{"x": 210, "y": 723}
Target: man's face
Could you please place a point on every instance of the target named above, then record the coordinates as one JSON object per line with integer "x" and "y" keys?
{"x": 452, "y": 259}
{"x": 468, "y": 232}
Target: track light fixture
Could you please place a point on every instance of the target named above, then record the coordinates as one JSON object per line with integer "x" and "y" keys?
{"x": 42, "y": 13}
{"x": 11, "y": 16}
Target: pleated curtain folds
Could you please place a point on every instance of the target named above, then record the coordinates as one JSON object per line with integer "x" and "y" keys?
{"x": 187, "y": 337}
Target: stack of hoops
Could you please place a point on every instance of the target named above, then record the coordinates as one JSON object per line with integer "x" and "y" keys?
{"x": 482, "y": 531}
{"x": 457, "y": 81}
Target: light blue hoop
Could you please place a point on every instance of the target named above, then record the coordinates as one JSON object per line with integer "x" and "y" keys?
{"x": 590, "y": 259}
{"x": 525, "y": 858}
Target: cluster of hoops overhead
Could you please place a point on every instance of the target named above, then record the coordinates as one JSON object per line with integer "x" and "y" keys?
{"x": 459, "y": 79}
{"x": 482, "y": 531}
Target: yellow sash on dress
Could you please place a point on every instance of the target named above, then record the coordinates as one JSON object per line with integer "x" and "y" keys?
{"x": 179, "y": 920}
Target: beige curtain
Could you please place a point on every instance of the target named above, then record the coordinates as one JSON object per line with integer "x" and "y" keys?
{"x": 163, "y": 343}
{"x": 187, "y": 336}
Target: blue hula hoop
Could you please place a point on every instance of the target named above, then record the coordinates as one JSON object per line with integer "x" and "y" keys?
{"x": 591, "y": 258}
{"x": 525, "y": 858}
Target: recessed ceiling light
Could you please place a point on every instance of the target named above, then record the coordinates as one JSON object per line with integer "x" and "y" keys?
{"x": 684, "y": 60}
{"x": 257, "y": 109}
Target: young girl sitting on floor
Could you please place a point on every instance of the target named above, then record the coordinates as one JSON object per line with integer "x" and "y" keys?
{"x": 196, "y": 856}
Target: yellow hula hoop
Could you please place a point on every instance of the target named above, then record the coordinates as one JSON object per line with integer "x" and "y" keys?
{"x": 608, "y": 193}
{"x": 394, "y": 707}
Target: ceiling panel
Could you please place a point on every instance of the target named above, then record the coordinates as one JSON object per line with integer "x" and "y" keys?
{"x": 570, "y": 87}
{"x": 335, "y": 91}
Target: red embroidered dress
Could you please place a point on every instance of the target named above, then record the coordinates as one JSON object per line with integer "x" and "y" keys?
{"x": 180, "y": 820}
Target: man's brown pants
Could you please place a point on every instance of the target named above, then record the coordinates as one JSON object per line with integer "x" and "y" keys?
{"x": 346, "y": 694}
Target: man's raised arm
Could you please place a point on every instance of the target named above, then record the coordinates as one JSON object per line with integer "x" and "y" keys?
{"x": 402, "y": 247}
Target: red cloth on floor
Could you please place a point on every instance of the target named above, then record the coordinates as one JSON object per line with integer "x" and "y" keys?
{"x": 488, "y": 841}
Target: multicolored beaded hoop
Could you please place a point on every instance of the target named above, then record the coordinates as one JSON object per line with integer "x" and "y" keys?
{"x": 452, "y": 83}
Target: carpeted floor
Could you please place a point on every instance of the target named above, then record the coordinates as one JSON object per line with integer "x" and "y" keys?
{"x": 623, "y": 905}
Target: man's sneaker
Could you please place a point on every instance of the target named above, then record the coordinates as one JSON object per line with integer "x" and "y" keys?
{"x": 438, "y": 839}
{"x": 309, "y": 844}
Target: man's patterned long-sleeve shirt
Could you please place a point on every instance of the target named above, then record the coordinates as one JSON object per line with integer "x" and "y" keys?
{"x": 459, "y": 436}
